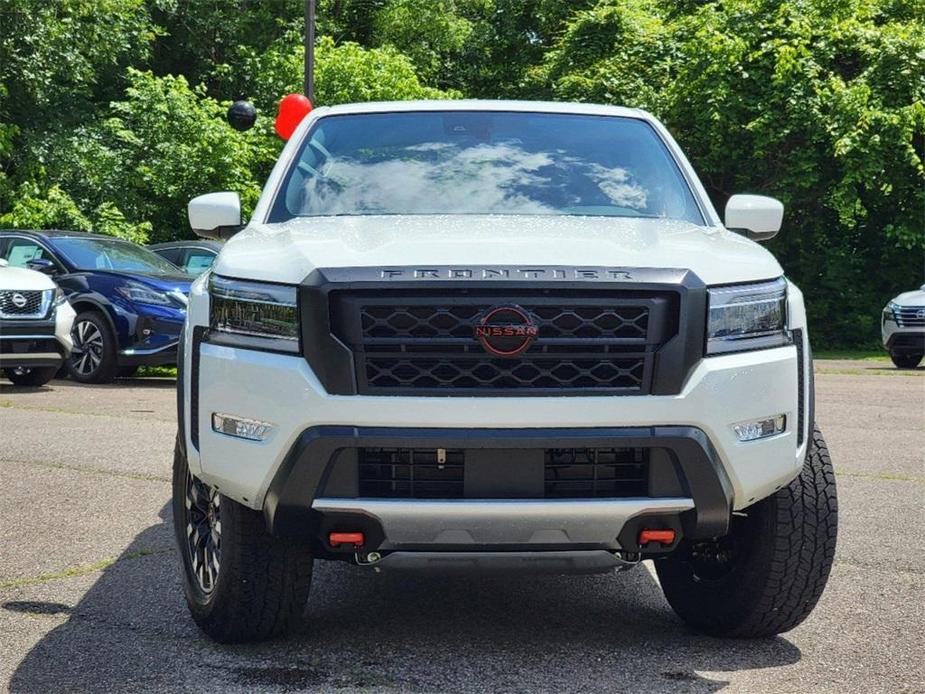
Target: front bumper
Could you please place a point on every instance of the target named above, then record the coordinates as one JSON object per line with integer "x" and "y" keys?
{"x": 37, "y": 343}
{"x": 282, "y": 390}
{"x": 904, "y": 340}
{"x": 314, "y": 492}
{"x": 153, "y": 336}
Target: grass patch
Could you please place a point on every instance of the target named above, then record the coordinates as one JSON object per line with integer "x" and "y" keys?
{"x": 83, "y": 570}
{"x": 891, "y": 476}
{"x": 854, "y": 354}
{"x": 157, "y": 371}
{"x": 140, "y": 476}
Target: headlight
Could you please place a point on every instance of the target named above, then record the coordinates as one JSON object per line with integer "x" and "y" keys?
{"x": 254, "y": 314}
{"x": 59, "y": 297}
{"x": 140, "y": 294}
{"x": 746, "y": 317}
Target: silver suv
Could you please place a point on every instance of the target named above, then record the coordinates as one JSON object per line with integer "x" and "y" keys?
{"x": 903, "y": 328}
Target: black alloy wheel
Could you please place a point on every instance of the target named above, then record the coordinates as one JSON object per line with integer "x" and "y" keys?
{"x": 203, "y": 532}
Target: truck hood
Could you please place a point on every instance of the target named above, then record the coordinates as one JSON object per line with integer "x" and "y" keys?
{"x": 289, "y": 251}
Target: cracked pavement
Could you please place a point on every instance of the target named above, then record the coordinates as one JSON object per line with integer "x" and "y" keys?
{"x": 90, "y": 596}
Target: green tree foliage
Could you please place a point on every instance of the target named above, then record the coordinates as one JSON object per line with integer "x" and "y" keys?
{"x": 112, "y": 111}
{"x": 817, "y": 103}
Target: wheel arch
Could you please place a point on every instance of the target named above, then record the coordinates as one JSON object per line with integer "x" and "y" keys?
{"x": 89, "y": 302}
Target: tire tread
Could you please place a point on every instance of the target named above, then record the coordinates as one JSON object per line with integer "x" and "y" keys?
{"x": 789, "y": 569}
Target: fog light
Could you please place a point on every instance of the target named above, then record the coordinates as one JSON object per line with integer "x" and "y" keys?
{"x": 760, "y": 428}
{"x": 240, "y": 427}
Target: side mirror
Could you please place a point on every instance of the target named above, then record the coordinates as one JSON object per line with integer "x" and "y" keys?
{"x": 43, "y": 265}
{"x": 215, "y": 215}
{"x": 756, "y": 216}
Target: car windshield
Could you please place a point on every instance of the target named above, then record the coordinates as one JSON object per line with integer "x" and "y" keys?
{"x": 484, "y": 162}
{"x": 112, "y": 254}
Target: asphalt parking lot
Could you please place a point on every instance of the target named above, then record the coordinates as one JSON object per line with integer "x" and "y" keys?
{"x": 90, "y": 596}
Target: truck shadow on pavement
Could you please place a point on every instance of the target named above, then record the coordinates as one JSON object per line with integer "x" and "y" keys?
{"x": 422, "y": 632}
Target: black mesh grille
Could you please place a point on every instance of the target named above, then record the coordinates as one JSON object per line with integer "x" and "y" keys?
{"x": 410, "y": 473}
{"x": 580, "y": 473}
{"x": 586, "y": 342}
{"x": 393, "y": 321}
{"x": 568, "y": 473}
{"x": 473, "y": 372}
{"x": 26, "y": 304}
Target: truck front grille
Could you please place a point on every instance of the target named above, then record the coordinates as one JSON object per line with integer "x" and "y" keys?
{"x": 568, "y": 473}
{"x": 553, "y": 322}
{"x": 578, "y": 473}
{"x": 581, "y": 344}
{"x": 410, "y": 473}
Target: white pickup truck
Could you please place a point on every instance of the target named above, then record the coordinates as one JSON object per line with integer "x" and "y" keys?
{"x": 497, "y": 335}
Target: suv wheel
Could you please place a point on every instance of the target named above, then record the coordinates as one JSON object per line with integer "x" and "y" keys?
{"x": 26, "y": 376}
{"x": 93, "y": 359}
{"x": 905, "y": 361}
{"x": 241, "y": 583}
{"x": 765, "y": 577}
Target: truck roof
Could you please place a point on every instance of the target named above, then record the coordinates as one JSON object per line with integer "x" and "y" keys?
{"x": 485, "y": 105}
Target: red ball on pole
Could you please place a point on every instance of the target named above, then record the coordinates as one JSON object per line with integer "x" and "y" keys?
{"x": 292, "y": 109}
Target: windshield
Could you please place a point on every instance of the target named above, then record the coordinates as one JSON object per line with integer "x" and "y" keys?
{"x": 112, "y": 254}
{"x": 484, "y": 162}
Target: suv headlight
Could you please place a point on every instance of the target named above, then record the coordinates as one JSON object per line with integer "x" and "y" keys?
{"x": 747, "y": 317}
{"x": 59, "y": 297}
{"x": 140, "y": 294}
{"x": 258, "y": 315}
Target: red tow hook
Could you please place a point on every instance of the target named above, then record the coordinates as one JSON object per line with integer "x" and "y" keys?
{"x": 338, "y": 539}
{"x": 663, "y": 537}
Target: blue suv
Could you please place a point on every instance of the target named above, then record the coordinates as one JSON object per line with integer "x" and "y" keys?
{"x": 130, "y": 302}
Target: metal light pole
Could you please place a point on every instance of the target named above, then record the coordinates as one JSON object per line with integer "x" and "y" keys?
{"x": 310, "y": 50}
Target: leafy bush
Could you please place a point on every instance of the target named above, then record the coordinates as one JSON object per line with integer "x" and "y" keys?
{"x": 112, "y": 111}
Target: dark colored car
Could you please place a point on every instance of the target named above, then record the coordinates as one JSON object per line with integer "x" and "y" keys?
{"x": 130, "y": 302}
{"x": 193, "y": 257}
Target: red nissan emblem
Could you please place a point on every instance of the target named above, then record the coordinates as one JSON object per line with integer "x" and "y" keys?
{"x": 506, "y": 331}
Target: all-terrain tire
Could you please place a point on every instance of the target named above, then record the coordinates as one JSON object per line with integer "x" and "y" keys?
{"x": 767, "y": 575}
{"x": 31, "y": 376}
{"x": 905, "y": 361}
{"x": 262, "y": 582}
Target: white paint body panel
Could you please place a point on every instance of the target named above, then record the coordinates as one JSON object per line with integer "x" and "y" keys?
{"x": 288, "y": 252}
{"x": 22, "y": 279}
{"x": 283, "y": 390}
{"x": 213, "y": 210}
{"x": 757, "y": 213}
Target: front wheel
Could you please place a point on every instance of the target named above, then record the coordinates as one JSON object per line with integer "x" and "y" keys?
{"x": 768, "y": 573}
{"x": 93, "y": 359}
{"x": 29, "y": 376}
{"x": 905, "y": 361}
{"x": 241, "y": 583}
